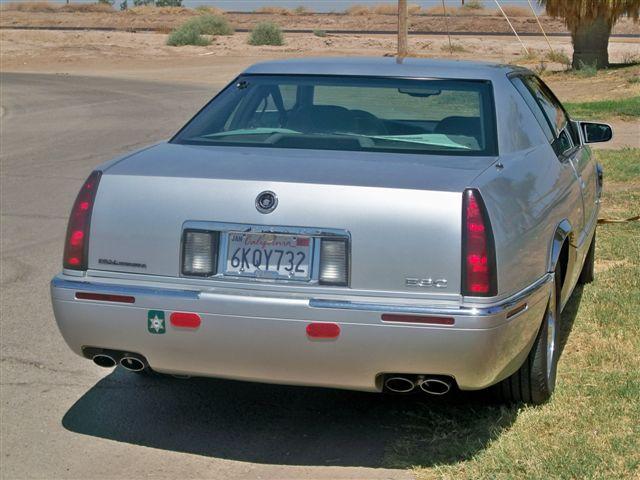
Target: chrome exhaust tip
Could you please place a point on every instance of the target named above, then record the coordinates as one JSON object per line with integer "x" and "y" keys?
{"x": 104, "y": 361}
{"x": 435, "y": 386}
{"x": 399, "y": 384}
{"x": 132, "y": 364}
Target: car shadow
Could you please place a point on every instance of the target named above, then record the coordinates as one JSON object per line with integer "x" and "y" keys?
{"x": 282, "y": 425}
{"x": 568, "y": 317}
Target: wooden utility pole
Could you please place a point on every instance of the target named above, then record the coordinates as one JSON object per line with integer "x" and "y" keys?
{"x": 403, "y": 29}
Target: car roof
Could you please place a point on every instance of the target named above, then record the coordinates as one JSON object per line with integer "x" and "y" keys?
{"x": 385, "y": 67}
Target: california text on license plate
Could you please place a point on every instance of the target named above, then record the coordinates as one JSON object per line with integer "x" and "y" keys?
{"x": 268, "y": 255}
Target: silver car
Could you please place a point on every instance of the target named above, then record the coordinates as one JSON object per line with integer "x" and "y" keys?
{"x": 357, "y": 223}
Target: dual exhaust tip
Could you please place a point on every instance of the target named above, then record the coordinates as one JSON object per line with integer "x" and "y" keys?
{"x": 127, "y": 361}
{"x": 395, "y": 384}
{"x": 430, "y": 385}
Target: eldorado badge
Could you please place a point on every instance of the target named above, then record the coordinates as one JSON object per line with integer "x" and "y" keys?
{"x": 155, "y": 322}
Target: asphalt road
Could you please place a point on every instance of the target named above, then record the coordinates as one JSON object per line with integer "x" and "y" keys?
{"x": 63, "y": 417}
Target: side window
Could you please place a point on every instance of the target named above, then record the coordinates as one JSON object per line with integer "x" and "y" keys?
{"x": 535, "y": 108}
{"x": 554, "y": 113}
{"x": 564, "y": 141}
{"x": 569, "y": 126}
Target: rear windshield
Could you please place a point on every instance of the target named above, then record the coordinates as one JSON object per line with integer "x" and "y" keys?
{"x": 454, "y": 117}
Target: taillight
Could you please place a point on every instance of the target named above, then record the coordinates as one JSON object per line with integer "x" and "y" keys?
{"x": 478, "y": 249}
{"x": 76, "y": 247}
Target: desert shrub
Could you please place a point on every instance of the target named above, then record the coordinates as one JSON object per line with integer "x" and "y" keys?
{"x": 30, "y": 6}
{"x": 273, "y": 10}
{"x": 392, "y": 9}
{"x": 103, "y": 6}
{"x": 514, "y": 11}
{"x": 453, "y": 48}
{"x": 301, "y": 10}
{"x": 187, "y": 34}
{"x": 531, "y": 55}
{"x": 320, "y": 33}
{"x": 558, "y": 56}
{"x": 438, "y": 10}
{"x": 585, "y": 70}
{"x": 541, "y": 68}
{"x": 386, "y": 9}
{"x": 150, "y": 3}
{"x": 211, "y": 25}
{"x": 266, "y": 33}
{"x": 358, "y": 10}
{"x": 152, "y": 9}
{"x": 629, "y": 58}
{"x": 473, "y": 5}
{"x": 204, "y": 9}
{"x": 165, "y": 29}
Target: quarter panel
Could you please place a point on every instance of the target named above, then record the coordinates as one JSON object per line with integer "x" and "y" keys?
{"x": 526, "y": 200}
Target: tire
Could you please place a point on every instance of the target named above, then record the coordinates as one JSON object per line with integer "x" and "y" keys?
{"x": 535, "y": 381}
{"x": 588, "y": 269}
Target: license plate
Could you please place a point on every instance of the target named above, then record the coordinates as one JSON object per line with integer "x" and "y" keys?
{"x": 268, "y": 255}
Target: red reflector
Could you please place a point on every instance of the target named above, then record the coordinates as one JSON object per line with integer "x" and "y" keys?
{"x": 390, "y": 317}
{"x": 103, "y": 297}
{"x": 323, "y": 330}
{"x": 185, "y": 320}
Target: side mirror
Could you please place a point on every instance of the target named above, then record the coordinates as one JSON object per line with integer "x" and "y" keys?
{"x": 596, "y": 132}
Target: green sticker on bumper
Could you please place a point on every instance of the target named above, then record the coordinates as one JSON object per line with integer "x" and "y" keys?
{"x": 155, "y": 322}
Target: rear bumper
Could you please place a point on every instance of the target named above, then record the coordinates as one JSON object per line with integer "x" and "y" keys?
{"x": 263, "y": 338}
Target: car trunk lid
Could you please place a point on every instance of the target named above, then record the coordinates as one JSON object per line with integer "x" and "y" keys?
{"x": 402, "y": 212}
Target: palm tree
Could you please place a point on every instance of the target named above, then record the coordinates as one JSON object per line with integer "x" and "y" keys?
{"x": 590, "y": 23}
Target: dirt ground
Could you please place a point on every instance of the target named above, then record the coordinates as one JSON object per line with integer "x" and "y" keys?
{"x": 145, "y": 56}
{"x": 167, "y": 18}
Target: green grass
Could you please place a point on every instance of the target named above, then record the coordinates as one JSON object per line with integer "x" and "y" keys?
{"x": 625, "y": 108}
{"x": 620, "y": 165}
{"x": 591, "y": 426}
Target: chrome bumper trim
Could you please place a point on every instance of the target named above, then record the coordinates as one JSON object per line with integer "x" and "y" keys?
{"x": 472, "y": 311}
{"x": 123, "y": 289}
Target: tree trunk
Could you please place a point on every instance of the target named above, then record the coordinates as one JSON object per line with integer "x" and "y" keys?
{"x": 591, "y": 43}
{"x": 403, "y": 28}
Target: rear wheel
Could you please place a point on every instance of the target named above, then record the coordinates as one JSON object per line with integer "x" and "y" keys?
{"x": 588, "y": 269}
{"x": 535, "y": 381}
